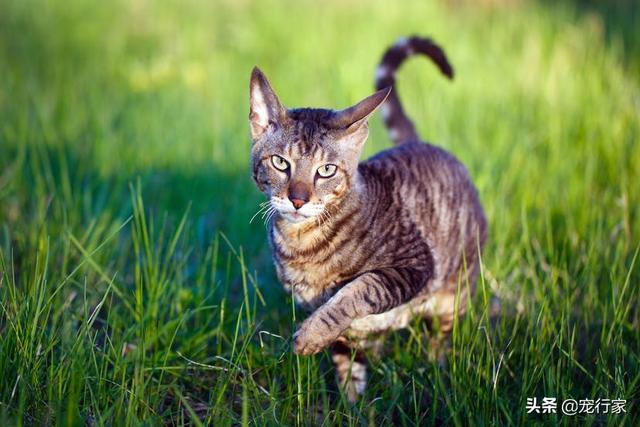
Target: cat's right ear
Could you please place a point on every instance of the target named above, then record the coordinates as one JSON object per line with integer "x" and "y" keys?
{"x": 266, "y": 112}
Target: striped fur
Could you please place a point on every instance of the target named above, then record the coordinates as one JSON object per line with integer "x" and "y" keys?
{"x": 375, "y": 244}
{"x": 399, "y": 125}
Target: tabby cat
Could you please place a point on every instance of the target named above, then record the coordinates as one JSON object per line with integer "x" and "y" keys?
{"x": 364, "y": 247}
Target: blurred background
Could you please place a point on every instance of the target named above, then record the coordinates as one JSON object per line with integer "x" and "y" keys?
{"x": 158, "y": 90}
{"x": 124, "y": 154}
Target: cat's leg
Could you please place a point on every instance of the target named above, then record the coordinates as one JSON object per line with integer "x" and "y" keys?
{"x": 440, "y": 319}
{"x": 371, "y": 293}
{"x": 351, "y": 367}
{"x": 447, "y": 305}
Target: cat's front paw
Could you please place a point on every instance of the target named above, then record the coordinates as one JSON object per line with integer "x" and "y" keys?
{"x": 311, "y": 338}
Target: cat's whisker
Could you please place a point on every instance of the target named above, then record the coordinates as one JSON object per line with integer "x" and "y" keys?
{"x": 325, "y": 216}
{"x": 266, "y": 213}
{"x": 270, "y": 215}
{"x": 263, "y": 206}
{"x": 329, "y": 217}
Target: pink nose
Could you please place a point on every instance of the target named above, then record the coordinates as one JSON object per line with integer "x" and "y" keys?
{"x": 298, "y": 203}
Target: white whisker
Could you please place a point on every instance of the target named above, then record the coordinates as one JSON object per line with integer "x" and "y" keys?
{"x": 328, "y": 212}
{"x": 263, "y": 206}
{"x": 324, "y": 216}
{"x": 270, "y": 215}
{"x": 268, "y": 211}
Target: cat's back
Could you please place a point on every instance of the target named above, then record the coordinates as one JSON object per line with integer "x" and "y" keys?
{"x": 418, "y": 165}
{"x": 433, "y": 188}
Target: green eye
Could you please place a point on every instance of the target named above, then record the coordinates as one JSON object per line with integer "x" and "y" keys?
{"x": 327, "y": 171}
{"x": 279, "y": 163}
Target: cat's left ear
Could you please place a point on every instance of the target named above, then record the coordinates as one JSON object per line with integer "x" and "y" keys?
{"x": 355, "y": 118}
{"x": 266, "y": 110}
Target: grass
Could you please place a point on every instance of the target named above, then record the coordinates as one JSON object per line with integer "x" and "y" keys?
{"x": 134, "y": 290}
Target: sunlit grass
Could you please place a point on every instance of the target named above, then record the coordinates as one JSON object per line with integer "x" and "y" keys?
{"x": 133, "y": 288}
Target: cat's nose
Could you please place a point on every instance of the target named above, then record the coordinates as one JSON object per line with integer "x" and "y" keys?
{"x": 297, "y": 203}
{"x": 299, "y": 194}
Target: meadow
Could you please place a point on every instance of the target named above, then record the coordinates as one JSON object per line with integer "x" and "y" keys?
{"x": 134, "y": 290}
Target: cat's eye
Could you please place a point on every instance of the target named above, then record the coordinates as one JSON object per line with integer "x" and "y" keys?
{"x": 327, "y": 171}
{"x": 279, "y": 163}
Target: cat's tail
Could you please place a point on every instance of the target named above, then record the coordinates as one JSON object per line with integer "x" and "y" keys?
{"x": 400, "y": 127}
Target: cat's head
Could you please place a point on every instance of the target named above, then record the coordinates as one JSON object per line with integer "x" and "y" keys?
{"x": 305, "y": 159}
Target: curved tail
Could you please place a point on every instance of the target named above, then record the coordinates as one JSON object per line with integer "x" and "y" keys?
{"x": 400, "y": 127}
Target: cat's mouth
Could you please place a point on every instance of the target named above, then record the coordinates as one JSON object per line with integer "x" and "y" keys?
{"x": 309, "y": 211}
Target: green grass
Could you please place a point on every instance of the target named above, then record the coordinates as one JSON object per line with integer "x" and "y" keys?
{"x": 134, "y": 290}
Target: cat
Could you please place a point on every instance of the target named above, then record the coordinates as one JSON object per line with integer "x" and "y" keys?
{"x": 364, "y": 247}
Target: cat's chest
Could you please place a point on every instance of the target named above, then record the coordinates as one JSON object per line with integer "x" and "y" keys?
{"x": 311, "y": 283}
{"x": 311, "y": 274}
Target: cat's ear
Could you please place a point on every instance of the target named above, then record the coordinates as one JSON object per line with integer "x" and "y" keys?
{"x": 352, "y": 118}
{"x": 265, "y": 108}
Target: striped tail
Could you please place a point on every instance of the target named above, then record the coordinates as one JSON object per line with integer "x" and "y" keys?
{"x": 400, "y": 127}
